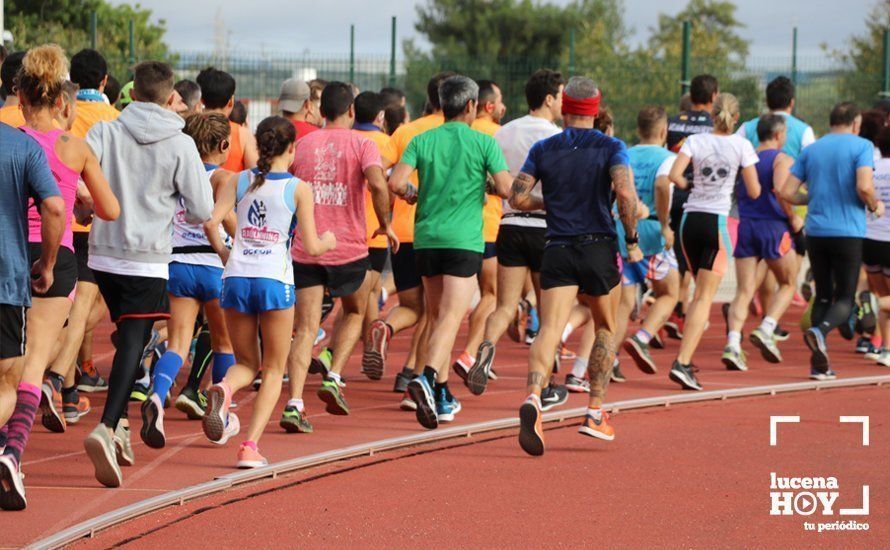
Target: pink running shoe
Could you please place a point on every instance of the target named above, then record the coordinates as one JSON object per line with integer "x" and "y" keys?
{"x": 248, "y": 457}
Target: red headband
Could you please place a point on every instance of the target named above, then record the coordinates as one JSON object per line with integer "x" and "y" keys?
{"x": 581, "y": 107}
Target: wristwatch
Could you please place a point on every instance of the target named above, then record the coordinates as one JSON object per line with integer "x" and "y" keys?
{"x": 631, "y": 240}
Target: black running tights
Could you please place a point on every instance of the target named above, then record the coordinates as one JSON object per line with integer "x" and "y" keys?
{"x": 133, "y": 335}
{"x": 835, "y": 262}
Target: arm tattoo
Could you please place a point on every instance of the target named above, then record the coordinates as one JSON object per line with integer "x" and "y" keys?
{"x": 600, "y": 366}
{"x": 520, "y": 192}
{"x": 627, "y": 198}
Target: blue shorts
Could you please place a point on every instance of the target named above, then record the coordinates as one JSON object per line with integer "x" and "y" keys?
{"x": 653, "y": 268}
{"x": 201, "y": 282}
{"x": 764, "y": 239}
{"x": 256, "y": 295}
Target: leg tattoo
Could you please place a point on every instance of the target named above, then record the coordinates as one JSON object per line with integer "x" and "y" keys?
{"x": 600, "y": 366}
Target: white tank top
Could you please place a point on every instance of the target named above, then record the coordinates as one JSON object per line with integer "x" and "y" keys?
{"x": 878, "y": 229}
{"x": 190, "y": 244}
{"x": 265, "y": 225}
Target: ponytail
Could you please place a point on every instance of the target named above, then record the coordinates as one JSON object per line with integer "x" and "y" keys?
{"x": 42, "y": 75}
{"x": 726, "y": 109}
{"x": 273, "y": 136}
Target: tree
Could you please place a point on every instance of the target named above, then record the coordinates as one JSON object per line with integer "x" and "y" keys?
{"x": 67, "y": 23}
{"x": 862, "y": 82}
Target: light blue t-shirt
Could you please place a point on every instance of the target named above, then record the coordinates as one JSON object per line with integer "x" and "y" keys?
{"x": 647, "y": 163}
{"x": 828, "y": 167}
{"x": 798, "y": 136}
{"x": 24, "y": 174}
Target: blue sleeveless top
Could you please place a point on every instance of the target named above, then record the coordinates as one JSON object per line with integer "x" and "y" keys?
{"x": 766, "y": 206}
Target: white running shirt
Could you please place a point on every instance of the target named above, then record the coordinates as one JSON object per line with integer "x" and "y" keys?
{"x": 878, "y": 229}
{"x": 192, "y": 235}
{"x": 715, "y": 162}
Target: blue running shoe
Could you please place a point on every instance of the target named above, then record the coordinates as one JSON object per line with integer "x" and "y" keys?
{"x": 818, "y": 374}
{"x": 446, "y": 406}
{"x": 421, "y": 393}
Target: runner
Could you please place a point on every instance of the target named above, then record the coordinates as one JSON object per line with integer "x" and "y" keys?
{"x": 521, "y": 236}
{"x": 716, "y": 158}
{"x": 339, "y": 164}
{"x": 296, "y": 103}
{"x": 581, "y": 257}
{"x": 702, "y": 93}
{"x": 25, "y": 176}
{"x": 837, "y": 171}
{"x": 876, "y": 246}
{"x": 258, "y": 290}
{"x": 765, "y": 229}
{"x": 89, "y": 70}
{"x": 218, "y": 96}
{"x": 190, "y": 93}
{"x": 411, "y": 309}
{"x": 651, "y": 164}
{"x": 195, "y": 283}
{"x": 489, "y": 112}
{"x": 11, "y": 112}
{"x": 452, "y": 162}
{"x": 144, "y": 154}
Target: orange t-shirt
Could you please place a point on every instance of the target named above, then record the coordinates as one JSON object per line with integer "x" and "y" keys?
{"x": 87, "y": 114}
{"x": 494, "y": 206}
{"x": 12, "y": 115}
{"x": 235, "y": 161}
{"x": 402, "y": 212}
{"x": 381, "y": 140}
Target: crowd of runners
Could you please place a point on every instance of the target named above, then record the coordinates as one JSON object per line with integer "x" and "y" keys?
{"x": 215, "y": 248}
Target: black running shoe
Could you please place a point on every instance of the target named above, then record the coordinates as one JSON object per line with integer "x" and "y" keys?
{"x": 477, "y": 376}
{"x": 685, "y": 376}
{"x": 868, "y": 312}
{"x": 402, "y": 380}
{"x": 848, "y": 327}
{"x": 553, "y": 396}
{"x": 617, "y": 375}
{"x": 780, "y": 334}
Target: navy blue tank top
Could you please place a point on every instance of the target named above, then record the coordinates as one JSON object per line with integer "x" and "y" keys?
{"x": 766, "y": 206}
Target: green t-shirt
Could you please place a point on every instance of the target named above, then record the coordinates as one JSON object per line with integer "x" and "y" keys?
{"x": 452, "y": 163}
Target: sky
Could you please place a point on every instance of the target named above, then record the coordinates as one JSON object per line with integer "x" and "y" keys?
{"x": 301, "y": 26}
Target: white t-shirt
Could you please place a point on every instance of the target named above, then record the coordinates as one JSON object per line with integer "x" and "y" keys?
{"x": 715, "y": 162}
{"x": 515, "y": 139}
{"x": 878, "y": 229}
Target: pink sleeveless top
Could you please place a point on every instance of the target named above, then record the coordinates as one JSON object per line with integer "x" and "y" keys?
{"x": 66, "y": 179}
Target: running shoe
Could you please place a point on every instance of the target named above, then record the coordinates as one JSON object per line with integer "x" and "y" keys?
{"x": 258, "y": 381}
{"x": 806, "y": 291}
{"x": 553, "y": 396}
{"x": 332, "y": 395}
{"x": 12, "y": 486}
{"x": 52, "y": 416}
{"x": 492, "y": 375}
{"x": 806, "y": 320}
{"x": 90, "y": 380}
{"x": 868, "y": 311}
{"x": 446, "y": 406}
{"x": 100, "y": 449}
{"x": 462, "y": 366}
{"x": 815, "y": 340}
{"x": 422, "y": 394}
{"x": 780, "y": 334}
{"x": 617, "y": 375}
{"x": 565, "y": 354}
{"x": 863, "y": 344}
{"x": 402, "y": 380}
{"x": 248, "y": 458}
{"x": 516, "y": 329}
{"x": 848, "y": 327}
{"x": 822, "y": 374}
{"x": 152, "y": 431}
{"x": 322, "y": 363}
{"x": 766, "y": 343}
{"x": 531, "y": 431}
{"x": 407, "y": 404}
{"x": 374, "y": 356}
{"x": 658, "y": 339}
{"x": 123, "y": 450}
{"x": 674, "y": 326}
{"x": 597, "y": 426}
{"x": 734, "y": 359}
{"x": 139, "y": 393}
{"x": 477, "y": 378}
{"x": 639, "y": 352}
{"x": 685, "y": 376}
{"x": 319, "y": 336}
{"x": 884, "y": 359}
{"x": 219, "y": 397}
{"x": 530, "y": 336}
{"x": 233, "y": 426}
{"x": 873, "y": 352}
{"x": 192, "y": 403}
{"x": 73, "y": 411}
{"x": 577, "y": 385}
{"x": 294, "y": 421}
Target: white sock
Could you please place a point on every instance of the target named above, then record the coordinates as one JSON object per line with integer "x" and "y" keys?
{"x": 567, "y": 332}
{"x": 535, "y": 398}
{"x": 298, "y": 403}
{"x": 734, "y": 339}
{"x": 768, "y": 325}
{"x": 596, "y": 413}
{"x": 334, "y": 376}
{"x": 579, "y": 368}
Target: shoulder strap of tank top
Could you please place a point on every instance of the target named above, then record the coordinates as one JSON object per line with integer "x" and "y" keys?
{"x": 243, "y": 185}
{"x": 289, "y": 189}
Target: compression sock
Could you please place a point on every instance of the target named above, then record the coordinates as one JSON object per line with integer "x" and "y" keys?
{"x": 221, "y": 364}
{"x": 165, "y": 373}
{"x": 22, "y": 419}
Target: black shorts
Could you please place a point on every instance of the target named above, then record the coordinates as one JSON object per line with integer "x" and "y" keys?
{"x": 490, "y": 251}
{"x": 432, "y": 262}
{"x": 133, "y": 297}
{"x": 589, "y": 262}
{"x": 341, "y": 280}
{"x": 64, "y": 272}
{"x": 82, "y": 253}
{"x": 404, "y": 268}
{"x": 13, "y": 324}
{"x": 800, "y": 242}
{"x": 521, "y": 246}
{"x": 377, "y": 258}
{"x": 705, "y": 242}
{"x": 876, "y": 256}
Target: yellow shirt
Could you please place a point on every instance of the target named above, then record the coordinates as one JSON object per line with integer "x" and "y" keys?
{"x": 494, "y": 206}
{"x": 12, "y": 115}
{"x": 402, "y": 212}
{"x": 381, "y": 140}
{"x": 87, "y": 114}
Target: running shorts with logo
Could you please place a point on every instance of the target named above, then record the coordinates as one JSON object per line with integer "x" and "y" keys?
{"x": 341, "y": 280}
{"x": 651, "y": 268}
{"x": 764, "y": 239}
{"x": 705, "y": 241}
{"x": 13, "y": 331}
{"x": 590, "y": 262}
{"x": 253, "y": 296}
{"x": 64, "y": 272}
{"x": 201, "y": 282}
{"x": 455, "y": 262}
{"x": 520, "y": 246}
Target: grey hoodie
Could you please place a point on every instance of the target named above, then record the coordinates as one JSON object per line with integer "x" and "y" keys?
{"x": 149, "y": 164}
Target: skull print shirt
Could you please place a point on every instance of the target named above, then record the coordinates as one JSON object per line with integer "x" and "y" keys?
{"x": 716, "y": 160}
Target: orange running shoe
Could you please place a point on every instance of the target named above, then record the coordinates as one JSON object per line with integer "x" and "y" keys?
{"x": 73, "y": 411}
{"x": 52, "y": 416}
{"x": 565, "y": 354}
{"x": 249, "y": 457}
{"x": 531, "y": 433}
{"x": 600, "y": 429}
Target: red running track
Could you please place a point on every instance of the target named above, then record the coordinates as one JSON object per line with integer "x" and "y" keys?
{"x": 61, "y": 489}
